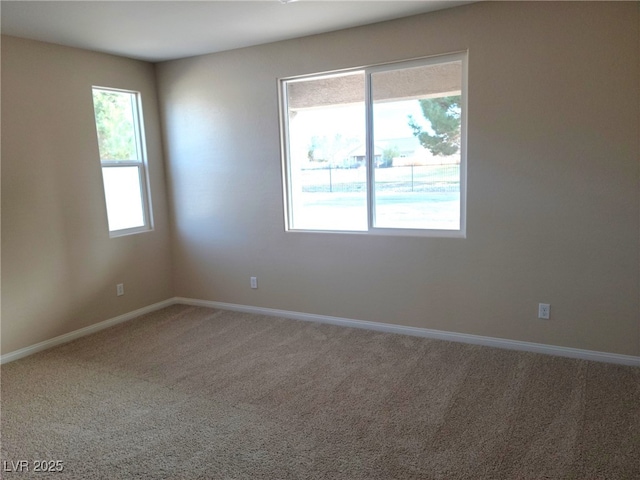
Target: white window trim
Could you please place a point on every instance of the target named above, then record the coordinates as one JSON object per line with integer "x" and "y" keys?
{"x": 141, "y": 163}
{"x": 283, "y": 106}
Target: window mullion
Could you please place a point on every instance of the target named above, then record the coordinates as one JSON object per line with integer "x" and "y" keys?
{"x": 370, "y": 149}
{"x": 143, "y": 180}
{"x": 286, "y": 154}
{"x": 121, "y": 163}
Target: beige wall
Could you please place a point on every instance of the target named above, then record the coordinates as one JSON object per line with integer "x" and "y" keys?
{"x": 553, "y": 195}
{"x": 59, "y": 266}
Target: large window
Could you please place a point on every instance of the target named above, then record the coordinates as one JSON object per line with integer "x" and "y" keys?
{"x": 377, "y": 150}
{"x": 119, "y": 126}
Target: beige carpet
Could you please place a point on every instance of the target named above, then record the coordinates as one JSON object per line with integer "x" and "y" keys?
{"x": 190, "y": 392}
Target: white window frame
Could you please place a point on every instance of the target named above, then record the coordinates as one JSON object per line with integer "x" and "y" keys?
{"x": 140, "y": 162}
{"x": 461, "y": 57}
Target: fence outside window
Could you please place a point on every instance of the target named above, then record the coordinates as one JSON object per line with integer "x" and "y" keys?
{"x": 409, "y": 178}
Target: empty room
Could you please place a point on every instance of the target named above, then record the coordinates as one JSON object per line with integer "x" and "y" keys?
{"x": 320, "y": 239}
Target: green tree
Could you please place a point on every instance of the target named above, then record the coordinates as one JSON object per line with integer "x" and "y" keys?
{"x": 388, "y": 154}
{"x": 443, "y": 114}
{"x": 114, "y": 123}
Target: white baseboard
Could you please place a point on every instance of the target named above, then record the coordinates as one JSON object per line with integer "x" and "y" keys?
{"x": 427, "y": 333}
{"x": 345, "y": 322}
{"x": 67, "y": 337}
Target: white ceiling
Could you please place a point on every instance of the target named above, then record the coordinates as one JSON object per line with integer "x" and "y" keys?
{"x": 164, "y": 30}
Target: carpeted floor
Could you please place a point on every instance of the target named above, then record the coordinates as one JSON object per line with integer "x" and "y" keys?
{"x": 189, "y": 392}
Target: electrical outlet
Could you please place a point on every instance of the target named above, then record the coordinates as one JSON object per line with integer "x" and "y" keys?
{"x": 120, "y": 289}
{"x": 254, "y": 282}
{"x": 544, "y": 310}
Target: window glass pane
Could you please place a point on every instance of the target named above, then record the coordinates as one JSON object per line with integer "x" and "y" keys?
{"x": 416, "y": 137}
{"x": 327, "y": 170}
{"x": 124, "y": 197}
{"x": 115, "y": 123}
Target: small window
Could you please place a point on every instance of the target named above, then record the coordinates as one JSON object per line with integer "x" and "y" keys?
{"x": 119, "y": 126}
{"x": 377, "y": 150}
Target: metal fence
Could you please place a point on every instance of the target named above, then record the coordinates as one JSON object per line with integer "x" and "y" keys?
{"x": 410, "y": 178}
